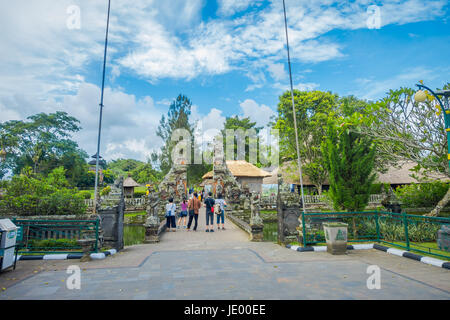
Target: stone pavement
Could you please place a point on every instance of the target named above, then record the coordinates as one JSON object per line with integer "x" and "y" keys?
{"x": 225, "y": 265}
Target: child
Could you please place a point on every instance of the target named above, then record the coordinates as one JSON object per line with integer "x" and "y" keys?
{"x": 183, "y": 213}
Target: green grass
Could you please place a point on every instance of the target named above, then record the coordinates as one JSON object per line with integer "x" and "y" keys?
{"x": 268, "y": 211}
{"x": 424, "y": 246}
{"x": 134, "y": 214}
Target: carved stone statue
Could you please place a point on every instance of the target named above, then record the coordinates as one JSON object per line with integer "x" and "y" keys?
{"x": 152, "y": 223}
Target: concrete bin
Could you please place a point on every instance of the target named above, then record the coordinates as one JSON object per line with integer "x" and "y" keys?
{"x": 336, "y": 237}
{"x": 443, "y": 238}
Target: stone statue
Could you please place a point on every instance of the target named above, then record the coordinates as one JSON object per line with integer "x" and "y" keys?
{"x": 255, "y": 209}
{"x": 152, "y": 223}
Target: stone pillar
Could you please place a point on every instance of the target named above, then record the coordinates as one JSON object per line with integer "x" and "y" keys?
{"x": 151, "y": 229}
{"x": 152, "y": 223}
{"x": 280, "y": 217}
{"x": 256, "y": 223}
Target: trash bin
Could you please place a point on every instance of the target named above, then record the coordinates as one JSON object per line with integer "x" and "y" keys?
{"x": 8, "y": 234}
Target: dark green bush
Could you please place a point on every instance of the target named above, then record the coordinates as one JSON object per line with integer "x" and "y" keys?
{"x": 52, "y": 243}
{"x": 139, "y": 194}
{"x": 105, "y": 191}
{"x": 419, "y": 195}
{"x": 32, "y": 195}
{"x": 85, "y": 194}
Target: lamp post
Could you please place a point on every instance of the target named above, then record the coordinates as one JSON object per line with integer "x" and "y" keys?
{"x": 101, "y": 112}
{"x": 443, "y": 97}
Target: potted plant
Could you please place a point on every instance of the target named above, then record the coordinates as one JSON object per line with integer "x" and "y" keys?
{"x": 336, "y": 237}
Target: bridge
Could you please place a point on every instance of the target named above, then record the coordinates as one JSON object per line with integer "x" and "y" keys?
{"x": 226, "y": 265}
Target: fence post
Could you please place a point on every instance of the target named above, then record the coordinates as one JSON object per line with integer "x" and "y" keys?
{"x": 304, "y": 229}
{"x": 96, "y": 235}
{"x": 405, "y": 223}
{"x": 377, "y": 224}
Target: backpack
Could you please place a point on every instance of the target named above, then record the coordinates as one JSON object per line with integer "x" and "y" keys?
{"x": 217, "y": 209}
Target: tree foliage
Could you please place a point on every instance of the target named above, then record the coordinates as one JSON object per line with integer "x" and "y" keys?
{"x": 178, "y": 118}
{"x": 245, "y": 124}
{"x": 349, "y": 159}
{"x": 312, "y": 111}
{"x": 43, "y": 143}
{"x": 33, "y": 194}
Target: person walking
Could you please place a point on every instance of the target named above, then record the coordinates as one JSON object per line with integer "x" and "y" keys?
{"x": 183, "y": 214}
{"x": 209, "y": 203}
{"x": 194, "y": 206}
{"x": 221, "y": 211}
{"x": 170, "y": 215}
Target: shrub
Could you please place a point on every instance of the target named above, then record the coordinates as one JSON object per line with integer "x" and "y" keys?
{"x": 105, "y": 191}
{"x": 418, "y": 195}
{"x": 85, "y": 194}
{"x": 139, "y": 194}
{"x": 394, "y": 230}
{"x": 28, "y": 195}
{"x": 53, "y": 244}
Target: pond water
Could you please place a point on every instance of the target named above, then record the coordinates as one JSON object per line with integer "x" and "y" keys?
{"x": 270, "y": 231}
{"x": 136, "y": 234}
{"x": 133, "y": 235}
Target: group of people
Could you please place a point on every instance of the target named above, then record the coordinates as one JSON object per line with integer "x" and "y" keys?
{"x": 190, "y": 208}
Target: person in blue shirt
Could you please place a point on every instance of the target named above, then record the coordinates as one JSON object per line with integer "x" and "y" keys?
{"x": 209, "y": 203}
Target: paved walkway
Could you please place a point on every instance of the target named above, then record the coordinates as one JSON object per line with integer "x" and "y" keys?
{"x": 225, "y": 265}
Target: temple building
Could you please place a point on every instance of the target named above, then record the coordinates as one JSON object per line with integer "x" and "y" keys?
{"x": 245, "y": 173}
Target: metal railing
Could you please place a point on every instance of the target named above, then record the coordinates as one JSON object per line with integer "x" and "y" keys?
{"x": 134, "y": 202}
{"x": 407, "y": 231}
{"x": 55, "y": 236}
{"x": 319, "y": 199}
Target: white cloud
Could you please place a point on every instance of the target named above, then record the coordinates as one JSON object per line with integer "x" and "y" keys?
{"x": 277, "y": 71}
{"x": 261, "y": 114}
{"x": 307, "y": 86}
{"x": 230, "y": 7}
{"x": 374, "y": 89}
{"x": 128, "y": 124}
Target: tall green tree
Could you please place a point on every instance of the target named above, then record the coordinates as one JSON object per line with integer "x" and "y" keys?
{"x": 349, "y": 159}
{"x": 236, "y": 123}
{"x": 409, "y": 131}
{"x": 312, "y": 109}
{"x": 43, "y": 143}
{"x": 178, "y": 118}
{"x": 145, "y": 173}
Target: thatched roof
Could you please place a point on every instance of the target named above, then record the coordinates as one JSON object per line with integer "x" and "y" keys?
{"x": 400, "y": 174}
{"x": 289, "y": 172}
{"x": 129, "y": 183}
{"x": 241, "y": 168}
{"x": 206, "y": 182}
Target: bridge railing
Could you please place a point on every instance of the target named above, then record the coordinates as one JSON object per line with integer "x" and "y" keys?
{"x": 55, "y": 236}
{"x": 411, "y": 232}
{"x": 133, "y": 202}
{"x": 317, "y": 199}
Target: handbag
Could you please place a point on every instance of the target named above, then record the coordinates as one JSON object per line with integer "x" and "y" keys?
{"x": 169, "y": 211}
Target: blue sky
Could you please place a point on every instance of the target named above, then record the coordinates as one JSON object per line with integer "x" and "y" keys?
{"x": 227, "y": 56}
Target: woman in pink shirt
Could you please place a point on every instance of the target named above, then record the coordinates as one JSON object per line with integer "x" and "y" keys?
{"x": 183, "y": 214}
